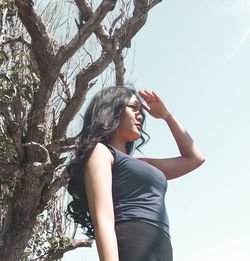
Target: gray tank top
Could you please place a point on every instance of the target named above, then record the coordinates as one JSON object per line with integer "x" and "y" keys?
{"x": 138, "y": 190}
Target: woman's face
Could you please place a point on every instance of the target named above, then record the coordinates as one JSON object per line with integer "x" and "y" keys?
{"x": 131, "y": 121}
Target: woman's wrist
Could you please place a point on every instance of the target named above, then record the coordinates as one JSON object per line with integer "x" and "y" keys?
{"x": 168, "y": 116}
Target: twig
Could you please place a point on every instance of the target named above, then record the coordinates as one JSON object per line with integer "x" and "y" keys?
{"x": 115, "y": 21}
{"x": 9, "y": 40}
{"x": 55, "y": 254}
{"x": 67, "y": 88}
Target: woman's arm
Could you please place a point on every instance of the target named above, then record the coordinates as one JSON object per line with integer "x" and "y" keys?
{"x": 98, "y": 183}
{"x": 190, "y": 158}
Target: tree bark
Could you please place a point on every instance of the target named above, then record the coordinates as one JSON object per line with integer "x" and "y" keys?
{"x": 21, "y": 216}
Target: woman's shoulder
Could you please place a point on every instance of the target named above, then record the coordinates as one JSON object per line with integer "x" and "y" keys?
{"x": 101, "y": 153}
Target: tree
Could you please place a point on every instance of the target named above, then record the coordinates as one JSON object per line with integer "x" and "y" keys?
{"x": 46, "y": 70}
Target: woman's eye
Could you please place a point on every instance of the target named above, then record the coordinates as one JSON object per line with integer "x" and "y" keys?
{"x": 135, "y": 107}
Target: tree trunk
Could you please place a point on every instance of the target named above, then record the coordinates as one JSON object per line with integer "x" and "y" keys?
{"x": 21, "y": 217}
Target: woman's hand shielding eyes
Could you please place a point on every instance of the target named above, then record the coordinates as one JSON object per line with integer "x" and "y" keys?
{"x": 154, "y": 105}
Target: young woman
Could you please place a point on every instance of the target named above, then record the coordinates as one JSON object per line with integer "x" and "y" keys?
{"x": 118, "y": 199}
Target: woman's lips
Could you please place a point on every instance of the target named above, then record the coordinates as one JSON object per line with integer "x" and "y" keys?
{"x": 138, "y": 126}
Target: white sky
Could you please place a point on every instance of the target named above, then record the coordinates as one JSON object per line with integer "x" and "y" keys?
{"x": 196, "y": 55}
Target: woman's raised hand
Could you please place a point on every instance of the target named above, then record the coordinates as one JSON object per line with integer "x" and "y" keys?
{"x": 154, "y": 105}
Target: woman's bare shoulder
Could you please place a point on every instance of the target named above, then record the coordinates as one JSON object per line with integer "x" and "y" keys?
{"x": 99, "y": 167}
{"x": 101, "y": 153}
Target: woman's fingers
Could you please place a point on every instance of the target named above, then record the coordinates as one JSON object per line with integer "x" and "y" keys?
{"x": 148, "y": 97}
{"x": 145, "y": 106}
{"x": 156, "y": 96}
{"x": 154, "y": 105}
{"x": 144, "y": 96}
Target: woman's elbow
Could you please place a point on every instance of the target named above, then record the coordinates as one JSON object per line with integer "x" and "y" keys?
{"x": 199, "y": 160}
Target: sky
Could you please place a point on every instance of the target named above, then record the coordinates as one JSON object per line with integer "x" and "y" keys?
{"x": 196, "y": 55}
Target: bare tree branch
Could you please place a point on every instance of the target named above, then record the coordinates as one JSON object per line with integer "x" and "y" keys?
{"x": 84, "y": 32}
{"x": 128, "y": 30}
{"x": 66, "y": 88}
{"x": 42, "y": 58}
{"x": 101, "y": 32}
{"x": 139, "y": 6}
{"x": 63, "y": 145}
{"x": 50, "y": 190}
{"x": 90, "y": 56}
{"x": 151, "y": 5}
{"x": 55, "y": 254}
{"x": 9, "y": 40}
{"x": 42, "y": 47}
{"x": 48, "y": 76}
{"x": 124, "y": 34}
{"x": 119, "y": 69}
{"x": 115, "y": 21}
{"x": 81, "y": 88}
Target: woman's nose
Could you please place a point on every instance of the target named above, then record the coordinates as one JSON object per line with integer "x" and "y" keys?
{"x": 139, "y": 117}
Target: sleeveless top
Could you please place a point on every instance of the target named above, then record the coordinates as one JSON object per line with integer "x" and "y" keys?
{"x": 138, "y": 190}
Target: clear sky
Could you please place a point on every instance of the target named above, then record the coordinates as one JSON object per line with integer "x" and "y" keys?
{"x": 196, "y": 55}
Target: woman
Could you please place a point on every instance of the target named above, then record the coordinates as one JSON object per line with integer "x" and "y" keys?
{"x": 118, "y": 199}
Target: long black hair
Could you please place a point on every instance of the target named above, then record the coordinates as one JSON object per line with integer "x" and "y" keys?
{"x": 101, "y": 120}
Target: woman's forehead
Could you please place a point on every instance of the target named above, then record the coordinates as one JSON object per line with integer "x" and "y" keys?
{"x": 134, "y": 99}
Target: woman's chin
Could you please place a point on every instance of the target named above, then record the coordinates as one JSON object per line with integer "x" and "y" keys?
{"x": 137, "y": 136}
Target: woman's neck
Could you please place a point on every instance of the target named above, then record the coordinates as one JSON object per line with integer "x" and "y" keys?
{"x": 118, "y": 144}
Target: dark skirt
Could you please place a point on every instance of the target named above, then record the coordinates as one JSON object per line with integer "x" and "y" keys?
{"x": 140, "y": 241}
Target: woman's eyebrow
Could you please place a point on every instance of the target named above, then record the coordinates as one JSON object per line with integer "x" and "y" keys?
{"x": 134, "y": 103}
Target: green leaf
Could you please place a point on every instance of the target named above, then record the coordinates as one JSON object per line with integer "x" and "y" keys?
{"x": 4, "y": 56}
